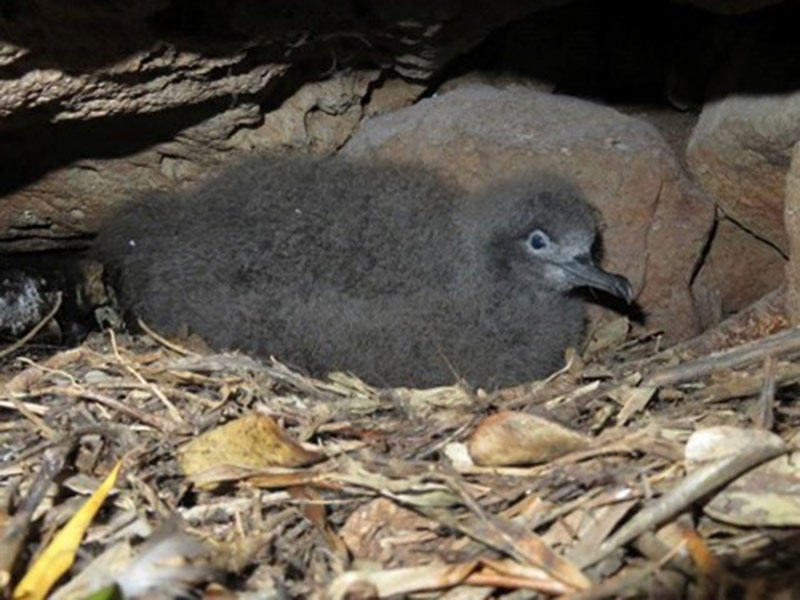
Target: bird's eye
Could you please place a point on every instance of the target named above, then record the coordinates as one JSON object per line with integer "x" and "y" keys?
{"x": 538, "y": 240}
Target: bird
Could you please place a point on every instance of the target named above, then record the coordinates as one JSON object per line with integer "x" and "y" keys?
{"x": 382, "y": 270}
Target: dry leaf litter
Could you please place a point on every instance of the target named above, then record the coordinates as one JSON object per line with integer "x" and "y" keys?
{"x": 633, "y": 472}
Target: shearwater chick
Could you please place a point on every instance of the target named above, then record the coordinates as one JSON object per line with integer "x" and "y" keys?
{"x": 380, "y": 270}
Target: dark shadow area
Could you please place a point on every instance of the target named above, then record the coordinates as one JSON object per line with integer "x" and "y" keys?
{"x": 772, "y": 571}
{"x": 32, "y": 144}
{"x": 116, "y": 30}
{"x": 701, "y": 259}
{"x": 652, "y": 52}
{"x": 30, "y": 152}
{"x": 593, "y": 296}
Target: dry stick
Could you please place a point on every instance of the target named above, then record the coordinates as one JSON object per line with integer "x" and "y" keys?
{"x": 562, "y": 510}
{"x": 31, "y": 408}
{"x": 36, "y": 329}
{"x": 44, "y": 429}
{"x": 695, "y": 485}
{"x": 507, "y": 534}
{"x": 498, "y": 537}
{"x": 752, "y": 384}
{"x": 762, "y": 413}
{"x": 624, "y": 585}
{"x": 283, "y": 374}
{"x": 757, "y": 321}
{"x": 17, "y": 529}
{"x": 171, "y": 409}
{"x": 147, "y": 419}
{"x": 241, "y": 362}
{"x": 49, "y": 370}
{"x": 785, "y": 341}
{"x": 164, "y": 341}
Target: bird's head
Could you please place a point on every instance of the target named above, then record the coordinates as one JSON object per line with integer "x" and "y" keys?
{"x": 541, "y": 233}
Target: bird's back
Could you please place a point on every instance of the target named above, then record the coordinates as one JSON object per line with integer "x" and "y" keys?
{"x": 274, "y": 244}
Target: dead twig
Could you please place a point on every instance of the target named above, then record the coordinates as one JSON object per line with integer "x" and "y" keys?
{"x": 751, "y": 384}
{"x": 763, "y": 411}
{"x": 44, "y": 429}
{"x": 764, "y": 317}
{"x": 164, "y": 341}
{"x": 779, "y": 343}
{"x": 697, "y": 484}
{"x": 174, "y": 413}
{"x": 147, "y": 419}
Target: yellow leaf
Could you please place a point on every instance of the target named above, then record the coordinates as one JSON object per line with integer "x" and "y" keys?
{"x": 59, "y": 555}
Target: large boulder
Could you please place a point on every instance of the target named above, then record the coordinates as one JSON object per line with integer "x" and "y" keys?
{"x": 655, "y": 221}
{"x": 740, "y": 152}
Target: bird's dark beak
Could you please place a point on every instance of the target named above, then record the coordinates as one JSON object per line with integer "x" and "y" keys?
{"x": 582, "y": 272}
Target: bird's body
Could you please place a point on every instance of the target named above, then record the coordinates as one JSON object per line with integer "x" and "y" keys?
{"x": 380, "y": 270}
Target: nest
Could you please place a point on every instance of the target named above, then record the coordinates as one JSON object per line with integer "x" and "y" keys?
{"x": 632, "y": 472}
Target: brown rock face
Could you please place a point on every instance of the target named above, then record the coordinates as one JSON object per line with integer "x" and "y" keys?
{"x": 738, "y": 270}
{"x": 656, "y": 222}
{"x": 67, "y": 203}
{"x": 102, "y": 101}
{"x": 740, "y": 152}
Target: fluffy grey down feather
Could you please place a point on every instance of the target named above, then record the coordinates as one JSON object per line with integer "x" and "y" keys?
{"x": 380, "y": 270}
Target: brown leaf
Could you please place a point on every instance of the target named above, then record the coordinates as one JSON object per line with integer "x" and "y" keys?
{"x": 382, "y": 530}
{"x": 510, "y": 438}
{"x": 254, "y": 441}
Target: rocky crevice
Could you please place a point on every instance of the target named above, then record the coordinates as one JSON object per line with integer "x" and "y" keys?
{"x": 100, "y": 103}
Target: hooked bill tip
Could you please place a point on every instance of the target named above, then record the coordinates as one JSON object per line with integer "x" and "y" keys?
{"x": 623, "y": 288}
{"x": 581, "y": 272}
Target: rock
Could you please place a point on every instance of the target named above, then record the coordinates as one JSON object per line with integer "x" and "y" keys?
{"x": 792, "y": 213}
{"x": 740, "y": 151}
{"x": 119, "y": 57}
{"x": 319, "y": 117}
{"x": 656, "y": 221}
{"x": 500, "y": 80}
{"x": 101, "y": 102}
{"x": 741, "y": 147}
{"x": 68, "y": 202}
{"x": 739, "y": 268}
{"x": 392, "y": 94}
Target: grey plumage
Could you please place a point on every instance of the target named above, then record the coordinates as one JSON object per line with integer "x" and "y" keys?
{"x": 381, "y": 270}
